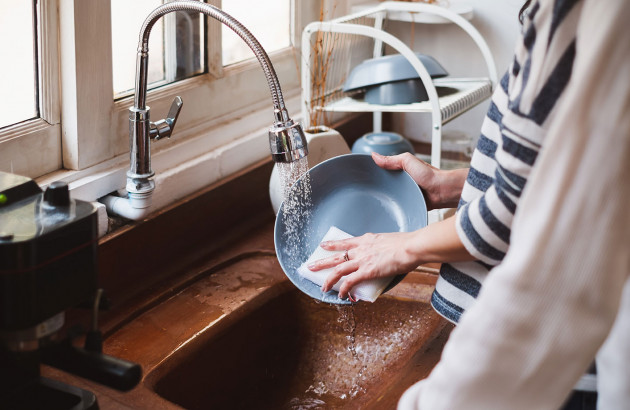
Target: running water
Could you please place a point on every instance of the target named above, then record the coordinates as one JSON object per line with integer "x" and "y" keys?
{"x": 351, "y": 370}
{"x": 290, "y": 172}
{"x": 351, "y": 356}
{"x": 297, "y": 206}
{"x": 349, "y": 323}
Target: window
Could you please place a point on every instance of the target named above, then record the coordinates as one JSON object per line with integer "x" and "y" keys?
{"x": 176, "y": 42}
{"x": 81, "y": 56}
{"x": 176, "y": 45}
{"x": 270, "y": 24}
{"x": 212, "y": 90}
{"x": 17, "y": 73}
{"x": 30, "y": 132}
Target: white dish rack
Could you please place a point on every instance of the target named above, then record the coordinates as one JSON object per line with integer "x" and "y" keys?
{"x": 331, "y": 49}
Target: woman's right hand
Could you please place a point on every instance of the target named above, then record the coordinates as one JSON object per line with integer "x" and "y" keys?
{"x": 441, "y": 189}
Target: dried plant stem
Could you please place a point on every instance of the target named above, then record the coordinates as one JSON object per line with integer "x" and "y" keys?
{"x": 322, "y": 52}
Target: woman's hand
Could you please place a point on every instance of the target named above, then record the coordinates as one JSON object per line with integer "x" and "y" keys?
{"x": 442, "y": 189}
{"x": 369, "y": 256}
{"x": 388, "y": 254}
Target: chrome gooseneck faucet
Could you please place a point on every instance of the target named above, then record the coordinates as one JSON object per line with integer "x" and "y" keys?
{"x": 286, "y": 137}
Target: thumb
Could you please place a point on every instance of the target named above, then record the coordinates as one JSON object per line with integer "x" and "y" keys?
{"x": 387, "y": 162}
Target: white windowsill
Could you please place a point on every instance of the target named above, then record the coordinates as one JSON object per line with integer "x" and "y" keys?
{"x": 189, "y": 165}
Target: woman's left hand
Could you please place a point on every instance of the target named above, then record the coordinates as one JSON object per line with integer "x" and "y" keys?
{"x": 369, "y": 256}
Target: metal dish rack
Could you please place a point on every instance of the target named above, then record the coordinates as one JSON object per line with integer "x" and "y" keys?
{"x": 331, "y": 49}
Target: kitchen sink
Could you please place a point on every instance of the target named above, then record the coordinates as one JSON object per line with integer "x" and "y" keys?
{"x": 284, "y": 350}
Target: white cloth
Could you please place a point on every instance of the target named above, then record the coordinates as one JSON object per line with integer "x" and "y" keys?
{"x": 369, "y": 290}
{"x": 544, "y": 312}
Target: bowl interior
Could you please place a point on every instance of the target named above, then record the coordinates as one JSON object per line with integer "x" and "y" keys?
{"x": 352, "y": 193}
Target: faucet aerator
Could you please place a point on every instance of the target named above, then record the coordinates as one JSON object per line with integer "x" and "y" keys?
{"x": 287, "y": 142}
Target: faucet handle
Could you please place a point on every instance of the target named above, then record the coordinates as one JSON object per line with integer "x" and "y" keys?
{"x": 164, "y": 128}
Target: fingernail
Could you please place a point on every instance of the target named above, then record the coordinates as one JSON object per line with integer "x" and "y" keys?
{"x": 324, "y": 244}
{"x": 311, "y": 266}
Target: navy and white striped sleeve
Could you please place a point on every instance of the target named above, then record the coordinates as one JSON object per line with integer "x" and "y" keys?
{"x": 513, "y": 132}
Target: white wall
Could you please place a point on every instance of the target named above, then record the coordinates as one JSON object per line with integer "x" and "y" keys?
{"x": 497, "y": 21}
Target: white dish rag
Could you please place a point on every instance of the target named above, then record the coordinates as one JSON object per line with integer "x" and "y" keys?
{"x": 368, "y": 290}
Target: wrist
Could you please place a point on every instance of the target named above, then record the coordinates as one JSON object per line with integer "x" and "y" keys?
{"x": 438, "y": 242}
{"x": 449, "y": 184}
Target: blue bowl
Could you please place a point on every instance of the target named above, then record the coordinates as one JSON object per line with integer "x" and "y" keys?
{"x": 390, "y": 80}
{"x": 354, "y": 194}
{"x": 388, "y": 69}
{"x": 384, "y": 143}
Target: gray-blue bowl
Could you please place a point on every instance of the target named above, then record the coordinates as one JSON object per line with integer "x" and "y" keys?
{"x": 389, "y": 69}
{"x": 384, "y": 143}
{"x": 354, "y": 194}
{"x": 391, "y": 80}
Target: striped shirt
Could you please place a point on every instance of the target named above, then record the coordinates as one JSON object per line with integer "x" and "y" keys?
{"x": 512, "y": 133}
{"x": 561, "y": 294}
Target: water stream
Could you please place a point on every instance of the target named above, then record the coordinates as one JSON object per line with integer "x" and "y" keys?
{"x": 349, "y": 323}
{"x": 296, "y": 212}
{"x": 297, "y": 203}
{"x": 296, "y": 206}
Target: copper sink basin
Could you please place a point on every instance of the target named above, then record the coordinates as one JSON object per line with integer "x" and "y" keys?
{"x": 283, "y": 349}
{"x": 239, "y": 335}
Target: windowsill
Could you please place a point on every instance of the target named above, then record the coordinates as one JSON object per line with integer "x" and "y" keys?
{"x": 193, "y": 162}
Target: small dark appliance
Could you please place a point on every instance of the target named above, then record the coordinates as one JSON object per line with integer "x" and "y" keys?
{"x": 48, "y": 264}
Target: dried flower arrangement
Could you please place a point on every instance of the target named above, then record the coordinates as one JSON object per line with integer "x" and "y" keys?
{"x": 322, "y": 56}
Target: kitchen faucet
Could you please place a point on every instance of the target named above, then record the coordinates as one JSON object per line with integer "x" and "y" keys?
{"x": 287, "y": 141}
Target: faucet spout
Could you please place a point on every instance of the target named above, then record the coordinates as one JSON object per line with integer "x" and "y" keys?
{"x": 217, "y": 14}
{"x": 287, "y": 141}
{"x": 286, "y": 138}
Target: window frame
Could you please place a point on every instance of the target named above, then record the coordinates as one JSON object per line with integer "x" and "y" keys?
{"x": 33, "y": 147}
{"x": 202, "y": 110}
{"x": 89, "y": 105}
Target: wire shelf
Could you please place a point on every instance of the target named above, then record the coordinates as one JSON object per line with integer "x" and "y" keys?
{"x": 466, "y": 93}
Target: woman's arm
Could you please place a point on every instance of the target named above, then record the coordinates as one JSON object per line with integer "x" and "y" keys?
{"x": 388, "y": 254}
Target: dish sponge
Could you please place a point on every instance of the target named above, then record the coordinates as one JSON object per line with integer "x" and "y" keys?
{"x": 368, "y": 290}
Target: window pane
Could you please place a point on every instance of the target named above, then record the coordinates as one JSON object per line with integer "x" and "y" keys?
{"x": 176, "y": 45}
{"x": 17, "y": 73}
{"x": 270, "y": 24}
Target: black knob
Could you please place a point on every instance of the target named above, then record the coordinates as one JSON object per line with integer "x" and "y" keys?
{"x": 57, "y": 194}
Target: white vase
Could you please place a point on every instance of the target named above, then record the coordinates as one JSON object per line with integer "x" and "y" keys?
{"x": 323, "y": 143}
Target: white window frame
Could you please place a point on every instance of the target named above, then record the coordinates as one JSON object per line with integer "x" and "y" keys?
{"x": 214, "y": 137}
{"x": 33, "y": 147}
